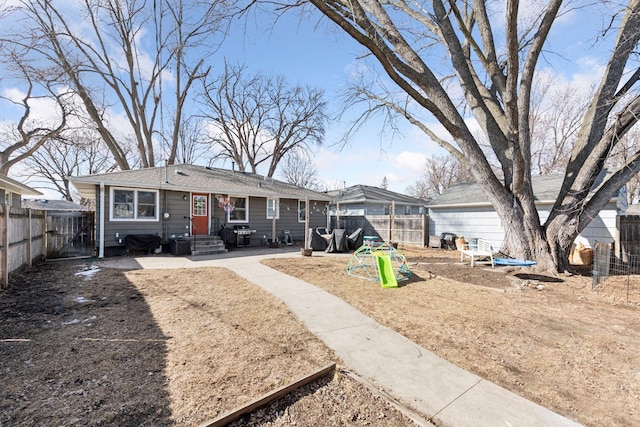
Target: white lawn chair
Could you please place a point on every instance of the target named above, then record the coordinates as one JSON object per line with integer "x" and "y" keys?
{"x": 482, "y": 250}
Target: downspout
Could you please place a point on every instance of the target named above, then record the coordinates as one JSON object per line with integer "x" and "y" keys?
{"x": 101, "y": 231}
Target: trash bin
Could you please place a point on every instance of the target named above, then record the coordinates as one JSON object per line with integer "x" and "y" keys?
{"x": 180, "y": 246}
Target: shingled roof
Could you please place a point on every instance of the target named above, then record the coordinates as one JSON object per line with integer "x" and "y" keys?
{"x": 192, "y": 178}
{"x": 53, "y": 205}
{"x": 545, "y": 189}
{"x": 369, "y": 194}
{"x": 14, "y": 186}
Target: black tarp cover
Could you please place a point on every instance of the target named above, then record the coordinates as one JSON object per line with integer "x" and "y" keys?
{"x": 338, "y": 242}
{"x": 316, "y": 241}
{"x": 142, "y": 241}
{"x": 354, "y": 240}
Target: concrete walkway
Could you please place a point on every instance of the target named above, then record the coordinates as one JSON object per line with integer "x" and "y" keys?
{"x": 444, "y": 393}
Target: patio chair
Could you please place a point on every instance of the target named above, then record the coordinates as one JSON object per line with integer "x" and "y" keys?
{"x": 482, "y": 250}
{"x": 317, "y": 242}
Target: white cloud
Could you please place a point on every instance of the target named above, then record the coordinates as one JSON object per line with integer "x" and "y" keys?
{"x": 44, "y": 111}
{"x": 410, "y": 160}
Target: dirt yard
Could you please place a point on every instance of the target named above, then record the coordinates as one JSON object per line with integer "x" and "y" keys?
{"x": 552, "y": 340}
{"x": 88, "y": 346}
{"x": 82, "y": 345}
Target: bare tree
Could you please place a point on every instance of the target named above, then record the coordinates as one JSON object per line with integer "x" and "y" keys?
{"x": 79, "y": 152}
{"x": 23, "y": 139}
{"x": 193, "y": 146}
{"x": 556, "y": 117}
{"x": 258, "y": 119}
{"x": 334, "y": 185}
{"x": 623, "y": 153}
{"x": 433, "y": 51}
{"x": 117, "y": 60}
{"x": 298, "y": 169}
{"x": 440, "y": 173}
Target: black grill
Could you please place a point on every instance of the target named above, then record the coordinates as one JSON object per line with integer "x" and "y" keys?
{"x": 243, "y": 235}
{"x": 448, "y": 241}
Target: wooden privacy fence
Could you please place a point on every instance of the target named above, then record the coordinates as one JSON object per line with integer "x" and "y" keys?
{"x": 28, "y": 235}
{"x": 22, "y": 239}
{"x": 406, "y": 229}
{"x": 70, "y": 234}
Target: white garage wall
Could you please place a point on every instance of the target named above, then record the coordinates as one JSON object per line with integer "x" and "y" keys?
{"x": 484, "y": 223}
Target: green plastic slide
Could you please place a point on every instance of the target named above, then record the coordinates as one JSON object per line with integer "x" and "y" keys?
{"x": 385, "y": 270}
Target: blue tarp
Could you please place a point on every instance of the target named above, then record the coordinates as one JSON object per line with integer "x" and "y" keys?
{"x": 514, "y": 262}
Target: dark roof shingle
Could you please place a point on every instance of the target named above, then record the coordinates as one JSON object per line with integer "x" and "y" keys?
{"x": 192, "y": 178}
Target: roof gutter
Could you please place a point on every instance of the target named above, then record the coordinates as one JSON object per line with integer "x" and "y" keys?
{"x": 377, "y": 202}
{"x": 487, "y": 204}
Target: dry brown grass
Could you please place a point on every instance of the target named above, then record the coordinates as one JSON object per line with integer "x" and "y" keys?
{"x": 553, "y": 341}
{"x": 162, "y": 348}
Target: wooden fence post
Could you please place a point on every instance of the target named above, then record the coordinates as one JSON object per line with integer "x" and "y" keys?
{"x": 4, "y": 241}
{"x": 29, "y": 237}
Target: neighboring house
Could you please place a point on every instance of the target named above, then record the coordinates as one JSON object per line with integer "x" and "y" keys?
{"x": 633, "y": 210}
{"x": 464, "y": 210}
{"x": 53, "y": 205}
{"x": 11, "y": 191}
{"x": 361, "y": 200}
{"x": 185, "y": 200}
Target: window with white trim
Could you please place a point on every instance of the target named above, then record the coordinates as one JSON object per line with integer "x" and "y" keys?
{"x": 407, "y": 210}
{"x": 240, "y": 212}
{"x": 133, "y": 205}
{"x": 273, "y": 206}
{"x": 302, "y": 207}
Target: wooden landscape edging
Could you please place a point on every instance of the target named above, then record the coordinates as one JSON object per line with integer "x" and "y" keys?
{"x": 267, "y": 398}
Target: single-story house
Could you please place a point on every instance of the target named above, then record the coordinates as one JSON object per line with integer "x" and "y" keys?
{"x": 465, "y": 211}
{"x": 179, "y": 201}
{"x": 359, "y": 200}
{"x": 11, "y": 191}
{"x": 53, "y": 205}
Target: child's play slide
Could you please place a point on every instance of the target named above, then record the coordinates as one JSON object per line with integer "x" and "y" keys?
{"x": 385, "y": 270}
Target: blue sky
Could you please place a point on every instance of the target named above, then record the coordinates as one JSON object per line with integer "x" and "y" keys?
{"x": 323, "y": 58}
{"x": 319, "y": 55}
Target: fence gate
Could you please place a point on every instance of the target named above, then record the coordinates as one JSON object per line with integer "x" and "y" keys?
{"x": 69, "y": 234}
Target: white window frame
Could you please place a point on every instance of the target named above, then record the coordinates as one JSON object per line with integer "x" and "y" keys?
{"x": 246, "y": 211}
{"x": 301, "y": 211}
{"x": 407, "y": 209}
{"x": 269, "y": 204}
{"x": 112, "y": 190}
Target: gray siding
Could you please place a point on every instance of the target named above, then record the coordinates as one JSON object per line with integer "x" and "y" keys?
{"x": 179, "y": 210}
{"x": 288, "y": 219}
{"x": 174, "y": 226}
{"x": 16, "y": 199}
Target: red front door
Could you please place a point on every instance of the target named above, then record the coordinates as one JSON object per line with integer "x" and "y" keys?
{"x": 199, "y": 214}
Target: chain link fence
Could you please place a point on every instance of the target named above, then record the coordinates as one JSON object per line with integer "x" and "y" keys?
{"x": 617, "y": 276}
